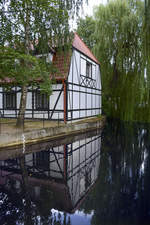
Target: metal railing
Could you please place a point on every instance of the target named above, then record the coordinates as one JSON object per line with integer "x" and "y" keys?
{"x": 40, "y": 120}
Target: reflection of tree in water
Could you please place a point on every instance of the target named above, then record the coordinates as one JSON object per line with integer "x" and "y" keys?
{"x": 19, "y": 206}
{"x": 122, "y": 194}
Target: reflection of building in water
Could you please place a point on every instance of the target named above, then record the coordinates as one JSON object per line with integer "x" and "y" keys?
{"x": 69, "y": 170}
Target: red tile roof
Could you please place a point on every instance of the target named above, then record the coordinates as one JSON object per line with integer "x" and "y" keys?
{"x": 81, "y": 46}
{"x": 61, "y": 62}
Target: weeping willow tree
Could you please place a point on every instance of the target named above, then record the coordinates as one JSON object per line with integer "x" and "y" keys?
{"x": 146, "y": 55}
{"x": 122, "y": 39}
{"x": 85, "y": 29}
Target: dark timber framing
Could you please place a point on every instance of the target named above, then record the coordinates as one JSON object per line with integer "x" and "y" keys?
{"x": 86, "y": 85}
{"x": 66, "y": 164}
{"x": 70, "y": 93}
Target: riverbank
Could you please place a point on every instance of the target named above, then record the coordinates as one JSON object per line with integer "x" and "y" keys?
{"x": 21, "y": 138}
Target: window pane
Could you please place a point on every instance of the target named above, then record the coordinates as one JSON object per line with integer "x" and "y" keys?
{"x": 88, "y": 69}
{"x": 9, "y": 100}
{"x": 41, "y": 101}
{"x": 42, "y": 160}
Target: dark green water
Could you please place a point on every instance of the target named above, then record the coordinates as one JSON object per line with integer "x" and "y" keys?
{"x": 99, "y": 179}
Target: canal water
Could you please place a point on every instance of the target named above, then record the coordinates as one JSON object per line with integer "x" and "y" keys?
{"x": 93, "y": 179}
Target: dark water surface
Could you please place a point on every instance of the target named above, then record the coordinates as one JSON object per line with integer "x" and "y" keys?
{"x": 97, "y": 179}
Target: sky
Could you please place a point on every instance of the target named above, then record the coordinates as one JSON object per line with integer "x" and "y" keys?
{"x": 88, "y": 9}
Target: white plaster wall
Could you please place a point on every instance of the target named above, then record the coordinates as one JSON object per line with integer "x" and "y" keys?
{"x": 70, "y": 95}
{"x": 76, "y": 67}
{"x": 89, "y": 103}
{"x": 70, "y": 76}
{"x": 18, "y": 99}
{"x": 83, "y": 66}
{"x": 9, "y": 113}
{"x": 37, "y": 113}
{"x": 58, "y": 116}
{"x": 60, "y": 104}
{"x": 75, "y": 114}
{"x": 98, "y": 77}
{"x": 74, "y": 76}
{"x": 29, "y": 100}
{"x": 82, "y": 98}
{"x": 92, "y": 101}
{"x": 76, "y": 100}
{"x": 83, "y": 103}
{"x": 52, "y": 101}
{"x": 54, "y": 96}
{"x": 86, "y": 100}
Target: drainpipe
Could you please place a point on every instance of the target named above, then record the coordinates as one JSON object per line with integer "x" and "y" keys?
{"x": 65, "y": 163}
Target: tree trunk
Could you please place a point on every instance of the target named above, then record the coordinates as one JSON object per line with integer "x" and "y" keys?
{"x": 28, "y": 206}
{"x": 22, "y": 108}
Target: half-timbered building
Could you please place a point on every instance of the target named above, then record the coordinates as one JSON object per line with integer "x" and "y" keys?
{"x": 76, "y": 93}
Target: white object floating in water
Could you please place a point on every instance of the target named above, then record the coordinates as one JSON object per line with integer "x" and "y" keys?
{"x": 23, "y": 141}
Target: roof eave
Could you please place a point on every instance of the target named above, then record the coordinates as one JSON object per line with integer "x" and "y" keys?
{"x": 96, "y": 61}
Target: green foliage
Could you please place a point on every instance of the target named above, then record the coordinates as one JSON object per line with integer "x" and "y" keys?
{"x": 22, "y": 69}
{"x": 120, "y": 40}
{"x": 28, "y": 28}
{"x": 99, "y": 116}
{"x": 122, "y": 46}
{"x": 33, "y": 27}
{"x": 46, "y": 20}
{"x": 86, "y": 28}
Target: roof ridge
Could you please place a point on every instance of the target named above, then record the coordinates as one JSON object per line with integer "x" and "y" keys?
{"x": 91, "y": 55}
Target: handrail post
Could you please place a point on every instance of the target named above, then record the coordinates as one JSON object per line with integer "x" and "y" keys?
{"x": 58, "y": 118}
{"x": 23, "y": 122}
{"x": 43, "y": 120}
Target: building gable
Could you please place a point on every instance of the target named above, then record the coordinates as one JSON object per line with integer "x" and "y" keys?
{"x": 82, "y": 47}
{"x": 61, "y": 60}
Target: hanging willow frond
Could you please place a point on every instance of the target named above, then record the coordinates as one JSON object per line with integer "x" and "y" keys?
{"x": 123, "y": 47}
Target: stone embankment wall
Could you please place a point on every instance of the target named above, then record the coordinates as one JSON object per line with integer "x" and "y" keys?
{"x": 50, "y": 133}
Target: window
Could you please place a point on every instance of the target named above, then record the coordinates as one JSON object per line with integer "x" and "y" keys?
{"x": 89, "y": 69}
{"x": 42, "y": 160}
{"x": 46, "y": 57}
{"x": 9, "y": 100}
{"x": 41, "y": 101}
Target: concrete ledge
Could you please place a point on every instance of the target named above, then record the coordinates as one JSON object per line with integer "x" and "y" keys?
{"x": 51, "y": 133}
